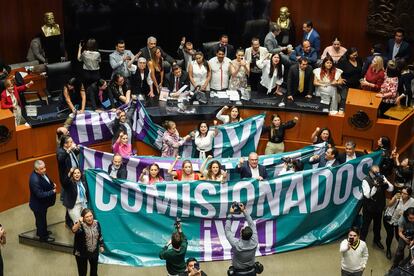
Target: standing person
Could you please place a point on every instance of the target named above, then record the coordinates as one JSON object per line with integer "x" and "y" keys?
{"x": 151, "y": 175}
{"x": 100, "y": 96}
{"x": 396, "y": 206}
{"x": 175, "y": 256}
{"x": 321, "y": 135}
{"x": 220, "y": 71}
{"x": 119, "y": 60}
{"x": 66, "y": 156}
{"x": 120, "y": 89}
{"x": 2, "y": 243}
{"x": 141, "y": 82}
{"x": 75, "y": 198}
{"x": 203, "y": 139}
{"x": 398, "y": 47}
{"x": 389, "y": 88}
{"x": 387, "y": 163}
{"x": 354, "y": 254}
{"x": 239, "y": 70}
{"x": 234, "y": 116}
{"x": 122, "y": 146}
{"x": 199, "y": 72}
{"x": 272, "y": 74}
{"x": 252, "y": 169}
{"x": 403, "y": 170}
{"x": 404, "y": 83}
{"x": 42, "y": 196}
{"x": 300, "y": 80}
{"x": 10, "y": 99}
{"x": 90, "y": 57}
{"x": 375, "y": 75}
{"x": 157, "y": 70}
{"x": 186, "y": 52}
{"x": 123, "y": 123}
{"x": 171, "y": 140}
{"x": 374, "y": 186}
{"x": 88, "y": 243}
{"x": 406, "y": 235}
{"x": 350, "y": 152}
{"x": 214, "y": 170}
{"x": 224, "y": 44}
{"x": 277, "y": 134}
{"x": 185, "y": 173}
{"x": 253, "y": 54}
{"x": 326, "y": 81}
{"x": 117, "y": 169}
{"x": 244, "y": 249}
{"x": 310, "y": 34}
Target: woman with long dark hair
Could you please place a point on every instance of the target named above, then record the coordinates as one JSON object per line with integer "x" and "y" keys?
{"x": 272, "y": 74}
{"x": 199, "y": 72}
{"x": 74, "y": 96}
{"x": 277, "y": 134}
{"x": 203, "y": 139}
{"x": 75, "y": 197}
{"x": 90, "y": 57}
{"x": 157, "y": 70}
{"x": 88, "y": 243}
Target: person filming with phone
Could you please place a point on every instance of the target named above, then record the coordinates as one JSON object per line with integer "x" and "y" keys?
{"x": 244, "y": 249}
{"x": 354, "y": 254}
{"x": 193, "y": 268}
{"x": 175, "y": 255}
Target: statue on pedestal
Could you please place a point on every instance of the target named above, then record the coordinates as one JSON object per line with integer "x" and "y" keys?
{"x": 52, "y": 40}
{"x": 287, "y": 35}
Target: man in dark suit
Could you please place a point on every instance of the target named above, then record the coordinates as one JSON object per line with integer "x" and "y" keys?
{"x": 177, "y": 79}
{"x": 300, "y": 80}
{"x": 397, "y": 47}
{"x": 224, "y": 43}
{"x": 117, "y": 169}
{"x": 329, "y": 159}
{"x": 252, "y": 169}
{"x": 152, "y": 43}
{"x": 349, "y": 153}
{"x": 309, "y": 33}
{"x": 305, "y": 50}
{"x": 42, "y": 196}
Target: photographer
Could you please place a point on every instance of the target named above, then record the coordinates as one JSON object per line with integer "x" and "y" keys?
{"x": 244, "y": 250}
{"x": 374, "y": 186}
{"x": 193, "y": 268}
{"x": 175, "y": 256}
{"x": 2, "y": 242}
{"x": 354, "y": 254}
{"x": 406, "y": 234}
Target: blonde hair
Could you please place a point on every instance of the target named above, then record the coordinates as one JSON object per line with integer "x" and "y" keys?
{"x": 377, "y": 64}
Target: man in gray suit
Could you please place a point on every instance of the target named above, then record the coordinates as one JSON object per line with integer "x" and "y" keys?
{"x": 270, "y": 41}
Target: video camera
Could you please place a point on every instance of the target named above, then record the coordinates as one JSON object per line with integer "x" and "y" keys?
{"x": 409, "y": 234}
{"x": 379, "y": 179}
{"x": 177, "y": 222}
{"x": 236, "y": 207}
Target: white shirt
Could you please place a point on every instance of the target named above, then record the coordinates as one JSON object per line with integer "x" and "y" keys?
{"x": 350, "y": 157}
{"x": 368, "y": 193}
{"x": 395, "y": 50}
{"x": 329, "y": 163}
{"x": 199, "y": 74}
{"x": 397, "y": 209}
{"x": 220, "y": 73}
{"x": 255, "y": 172}
{"x": 204, "y": 143}
{"x": 266, "y": 81}
{"x": 353, "y": 260}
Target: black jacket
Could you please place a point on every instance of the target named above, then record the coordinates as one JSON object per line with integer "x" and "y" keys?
{"x": 71, "y": 192}
{"x": 42, "y": 195}
{"x": 245, "y": 171}
{"x": 92, "y": 94}
{"x": 139, "y": 85}
{"x": 183, "y": 80}
{"x": 122, "y": 172}
{"x": 293, "y": 81}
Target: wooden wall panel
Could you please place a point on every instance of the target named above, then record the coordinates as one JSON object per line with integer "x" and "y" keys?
{"x": 20, "y": 21}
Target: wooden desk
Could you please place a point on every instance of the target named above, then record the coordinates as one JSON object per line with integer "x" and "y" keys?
{"x": 39, "y": 81}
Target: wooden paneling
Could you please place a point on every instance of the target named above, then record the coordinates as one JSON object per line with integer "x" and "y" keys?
{"x": 346, "y": 20}
{"x": 20, "y": 21}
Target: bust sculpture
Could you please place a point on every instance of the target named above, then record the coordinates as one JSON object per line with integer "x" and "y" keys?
{"x": 287, "y": 35}
{"x": 50, "y": 28}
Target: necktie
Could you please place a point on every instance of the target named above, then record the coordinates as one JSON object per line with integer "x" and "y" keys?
{"x": 74, "y": 160}
{"x": 301, "y": 81}
{"x": 81, "y": 191}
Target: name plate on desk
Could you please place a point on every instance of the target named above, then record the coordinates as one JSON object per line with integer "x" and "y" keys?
{"x": 31, "y": 110}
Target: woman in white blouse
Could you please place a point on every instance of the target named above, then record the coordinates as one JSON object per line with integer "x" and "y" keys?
{"x": 233, "y": 117}
{"x": 326, "y": 80}
{"x": 203, "y": 139}
{"x": 91, "y": 59}
{"x": 199, "y": 72}
{"x": 272, "y": 74}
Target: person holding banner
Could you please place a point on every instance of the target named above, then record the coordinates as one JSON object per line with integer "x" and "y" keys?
{"x": 186, "y": 172}
{"x": 322, "y": 135}
{"x": 75, "y": 198}
{"x": 175, "y": 256}
{"x": 151, "y": 175}
{"x": 214, "y": 170}
{"x": 88, "y": 243}
{"x": 203, "y": 139}
{"x": 354, "y": 254}
{"x": 277, "y": 134}
{"x": 374, "y": 186}
{"x": 122, "y": 146}
{"x": 117, "y": 169}
{"x": 244, "y": 250}
{"x": 329, "y": 159}
{"x": 234, "y": 116}
{"x": 252, "y": 169}
{"x": 171, "y": 140}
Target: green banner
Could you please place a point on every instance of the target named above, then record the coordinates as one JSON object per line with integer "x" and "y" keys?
{"x": 291, "y": 212}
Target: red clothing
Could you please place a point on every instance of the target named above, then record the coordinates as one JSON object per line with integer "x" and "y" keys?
{"x": 6, "y": 101}
{"x": 373, "y": 77}
{"x": 180, "y": 175}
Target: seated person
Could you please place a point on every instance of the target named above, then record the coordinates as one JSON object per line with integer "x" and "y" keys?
{"x": 397, "y": 47}
{"x": 100, "y": 96}
{"x": 141, "y": 82}
{"x": 117, "y": 169}
{"x": 223, "y": 43}
{"x": 122, "y": 146}
{"x": 177, "y": 79}
{"x": 120, "y": 89}
{"x": 374, "y": 76}
{"x": 329, "y": 159}
{"x": 305, "y": 50}
{"x": 349, "y": 153}
{"x": 220, "y": 71}
{"x": 326, "y": 80}
{"x": 300, "y": 80}
{"x": 199, "y": 72}
{"x": 146, "y": 52}
{"x": 389, "y": 88}
{"x": 272, "y": 74}
{"x": 336, "y": 51}
{"x": 252, "y": 169}
{"x": 36, "y": 51}
{"x": 185, "y": 173}
{"x": 186, "y": 52}
{"x": 10, "y": 99}
{"x": 74, "y": 96}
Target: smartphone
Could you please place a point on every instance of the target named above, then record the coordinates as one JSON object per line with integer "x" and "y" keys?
{"x": 197, "y": 266}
